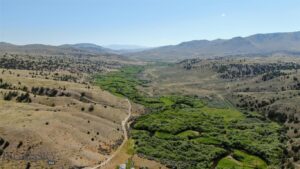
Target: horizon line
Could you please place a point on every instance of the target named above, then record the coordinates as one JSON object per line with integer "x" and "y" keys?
{"x": 146, "y": 46}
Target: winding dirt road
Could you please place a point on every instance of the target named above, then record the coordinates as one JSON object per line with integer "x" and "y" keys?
{"x": 124, "y": 128}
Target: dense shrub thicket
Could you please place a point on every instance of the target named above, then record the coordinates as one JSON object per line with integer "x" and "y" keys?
{"x": 182, "y": 132}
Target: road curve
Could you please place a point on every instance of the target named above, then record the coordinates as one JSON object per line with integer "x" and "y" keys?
{"x": 125, "y": 132}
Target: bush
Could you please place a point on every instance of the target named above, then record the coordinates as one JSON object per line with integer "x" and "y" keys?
{"x": 8, "y": 96}
{"x": 25, "y": 98}
{"x": 91, "y": 108}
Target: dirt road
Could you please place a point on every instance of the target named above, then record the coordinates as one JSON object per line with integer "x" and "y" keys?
{"x": 124, "y": 128}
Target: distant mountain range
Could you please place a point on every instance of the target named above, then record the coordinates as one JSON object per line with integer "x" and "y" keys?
{"x": 251, "y": 45}
{"x": 69, "y": 49}
{"x": 89, "y": 47}
{"x": 39, "y": 49}
{"x": 259, "y": 44}
{"x": 126, "y": 47}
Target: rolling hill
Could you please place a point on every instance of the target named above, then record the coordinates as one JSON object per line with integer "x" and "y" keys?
{"x": 67, "y": 49}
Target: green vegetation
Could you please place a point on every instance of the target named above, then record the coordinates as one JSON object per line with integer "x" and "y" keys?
{"x": 241, "y": 160}
{"x": 184, "y": 132}
{"x": 173, "y": 135}
{"x": 129, "y": 145}
{"x": 189, "y": 134}
{"x": 207, "y": 140}
{"x": 228, "y": 114}
{"x": 121, "y": 83}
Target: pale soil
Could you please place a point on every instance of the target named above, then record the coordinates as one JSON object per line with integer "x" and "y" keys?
{"x": 124, "y": 155}
{"x": 141, "y": 162}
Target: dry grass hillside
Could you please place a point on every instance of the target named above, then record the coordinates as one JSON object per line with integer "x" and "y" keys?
{"x": 72, "y": 124}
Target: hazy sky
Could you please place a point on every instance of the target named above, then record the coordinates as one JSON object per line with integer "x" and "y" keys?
{"x": 142, "y": 22}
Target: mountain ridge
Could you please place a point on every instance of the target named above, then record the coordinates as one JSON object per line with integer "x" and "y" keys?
{"x": 253, "y": 44}
{"x": 66, "y": 49}
{"x": 260, "y": 44}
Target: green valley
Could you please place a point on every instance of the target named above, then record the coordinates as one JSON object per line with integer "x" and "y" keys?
{"x": 183, "y": 131}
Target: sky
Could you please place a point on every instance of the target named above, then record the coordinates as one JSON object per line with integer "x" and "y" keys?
{"x": 142, "y": 22}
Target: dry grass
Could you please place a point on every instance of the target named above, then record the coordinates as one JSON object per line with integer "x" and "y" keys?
{"x": 126, "y": 154}
{"x": 58, "y": 125}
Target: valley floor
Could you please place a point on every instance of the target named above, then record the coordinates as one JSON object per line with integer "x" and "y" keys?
{"x": 181, "y": 129}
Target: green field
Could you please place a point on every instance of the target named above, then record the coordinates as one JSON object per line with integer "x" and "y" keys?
{"x": 241, "y": 160}
{"x": 185, "y": 132}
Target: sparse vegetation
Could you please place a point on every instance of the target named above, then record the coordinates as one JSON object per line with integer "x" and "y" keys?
{"x": 231, "y": 71}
